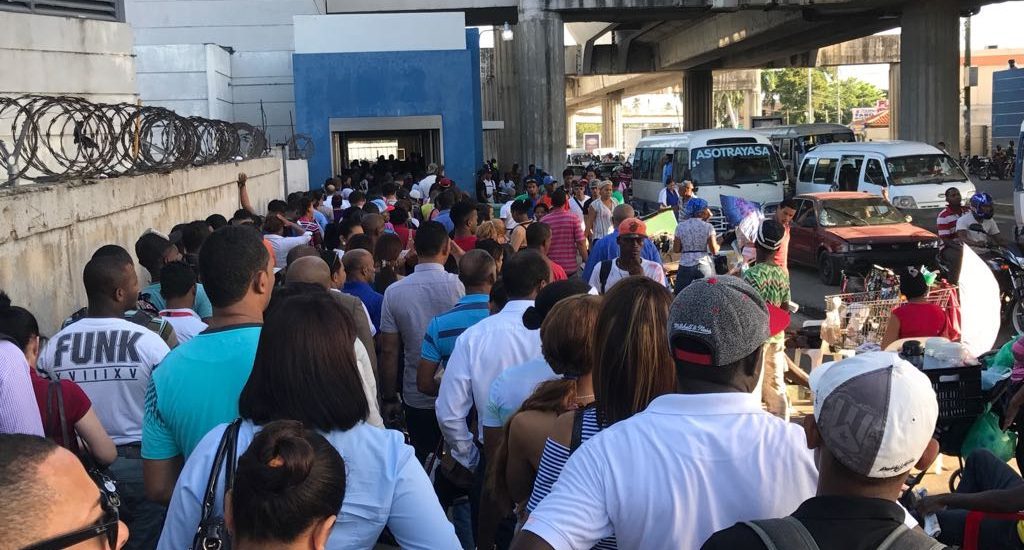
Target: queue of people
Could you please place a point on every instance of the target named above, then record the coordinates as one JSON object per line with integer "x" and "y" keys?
{"x": 386, "y": 360}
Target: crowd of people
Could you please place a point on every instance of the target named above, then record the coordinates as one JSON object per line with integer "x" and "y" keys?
{"x": 390, "y": 359}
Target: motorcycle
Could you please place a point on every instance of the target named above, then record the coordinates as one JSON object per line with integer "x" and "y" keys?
{"x": 1006, "y": 266}
{"x": 978, "y": 166}
{"x": 997, "y": 168}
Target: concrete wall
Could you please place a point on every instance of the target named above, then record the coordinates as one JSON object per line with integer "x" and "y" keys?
{"x": 190, "y": 79}
{"x": 259, "y": 32}
{"x": 52, "y": 55}
{"x": 48, "y": 232}
{"x": 423, "y": 83}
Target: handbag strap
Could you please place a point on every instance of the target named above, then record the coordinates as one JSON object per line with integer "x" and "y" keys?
{"x": 229, "y": 482}
{"x": 54, "y": 392}
{"x": 577, "y": 431}
{"x": 227, "y": 445}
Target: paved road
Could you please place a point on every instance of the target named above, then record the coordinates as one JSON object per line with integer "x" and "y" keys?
{"x": 810, "y": 292}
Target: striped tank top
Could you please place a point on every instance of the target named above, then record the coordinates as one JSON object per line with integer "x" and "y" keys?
{"x": 553, "y": 459}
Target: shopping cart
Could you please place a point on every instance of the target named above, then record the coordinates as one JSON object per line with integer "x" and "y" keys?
{"x": 858, "y": 318}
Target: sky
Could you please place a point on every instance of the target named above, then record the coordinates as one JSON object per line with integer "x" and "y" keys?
{"x": 996, "y": 25}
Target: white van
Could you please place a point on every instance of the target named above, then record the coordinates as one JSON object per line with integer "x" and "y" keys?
{"x": 718, "y": 162}
{"x": 916, "y": 174}
{"x": 793, "y": 141}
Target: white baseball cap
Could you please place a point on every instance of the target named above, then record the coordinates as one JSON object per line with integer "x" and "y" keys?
{"x": 876, "y": 412}
{"x": 415, "y": 194}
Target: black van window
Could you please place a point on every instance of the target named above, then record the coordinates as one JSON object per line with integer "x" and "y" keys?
{"x": 873, "y": 174}
{"x": 681, "y": 165}
{"x": 785, "y": 147}
{"x": 807, "y": 170}
{"x": 825, "y": 171}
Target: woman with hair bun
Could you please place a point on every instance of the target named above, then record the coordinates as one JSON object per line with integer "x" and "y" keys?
{"x": 307, "y": 374}
{"x": 289, "y": 486}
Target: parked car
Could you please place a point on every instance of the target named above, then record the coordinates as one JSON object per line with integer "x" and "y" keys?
{"x": 843, "y": 231}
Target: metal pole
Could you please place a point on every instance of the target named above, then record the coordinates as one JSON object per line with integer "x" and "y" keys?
{"x": 810, "y": 92}
{"x": 284, "y": 165}
{"x": 839, "y": 100}
{"x": 967, "y": 86}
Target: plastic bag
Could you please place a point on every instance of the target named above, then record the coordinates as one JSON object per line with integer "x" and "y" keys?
{"x": 986, "y": 434}
{"x": 1003, "y": 360}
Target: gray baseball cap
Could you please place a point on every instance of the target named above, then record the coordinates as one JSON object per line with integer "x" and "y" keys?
{"x": 726, "y": 315}
{"x": 875, "y": 412}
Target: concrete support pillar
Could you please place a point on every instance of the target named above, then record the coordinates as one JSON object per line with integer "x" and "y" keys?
{"x": 929, "y": 73}
{"x": 540, "y": 55}
{"x": 698, "y": 100}
{"x": 894, "y": 100}
{"x": 506, "y": 75}
{"x": 611, "y": 120}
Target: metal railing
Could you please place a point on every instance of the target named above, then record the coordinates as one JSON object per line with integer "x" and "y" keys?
{"x": 52, "y": 138}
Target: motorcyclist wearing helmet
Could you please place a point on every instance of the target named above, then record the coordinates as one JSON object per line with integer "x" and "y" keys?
{"x": 977, "y": 228}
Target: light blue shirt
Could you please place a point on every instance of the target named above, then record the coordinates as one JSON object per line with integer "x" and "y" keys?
{"x": 384, "y": 486}
{"x": 202, "y": 305}
{"x": 444, "y": 217}
{"x": 321, "y": 220}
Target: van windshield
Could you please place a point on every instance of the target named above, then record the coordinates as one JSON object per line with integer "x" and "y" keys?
{"x": 918, "y": 169}
{"x": 734, "y": 165}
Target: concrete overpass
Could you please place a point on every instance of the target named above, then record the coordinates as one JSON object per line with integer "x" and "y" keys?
{"x": 694, "y": 38}
{"x": 607, "y": 90}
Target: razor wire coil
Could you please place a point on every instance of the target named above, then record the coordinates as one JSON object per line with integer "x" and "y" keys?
{"x": 54, "y": 138}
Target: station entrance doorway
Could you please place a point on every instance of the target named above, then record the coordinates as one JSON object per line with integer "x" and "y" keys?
{"x": 358, "y": 139}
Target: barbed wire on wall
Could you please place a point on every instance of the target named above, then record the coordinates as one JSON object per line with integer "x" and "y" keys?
{"x": 53, "y": 138}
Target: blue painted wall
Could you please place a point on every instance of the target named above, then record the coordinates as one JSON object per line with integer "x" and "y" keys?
{"x": 1007, "y": 107}
{"x": 393, "y": 84}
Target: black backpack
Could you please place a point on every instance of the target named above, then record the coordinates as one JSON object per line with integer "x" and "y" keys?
{"x": 789, "y": 534}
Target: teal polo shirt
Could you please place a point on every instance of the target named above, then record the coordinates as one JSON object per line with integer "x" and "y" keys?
{"x": 196, "y": 388}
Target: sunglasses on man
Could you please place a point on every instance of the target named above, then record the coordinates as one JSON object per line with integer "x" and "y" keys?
{"x": 106, "y": 526}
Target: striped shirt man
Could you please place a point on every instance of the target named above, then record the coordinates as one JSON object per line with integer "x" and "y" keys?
{"x": 566, "y": 237}
{"x": 946, "y": 222}
{"x": 439, "y": 341}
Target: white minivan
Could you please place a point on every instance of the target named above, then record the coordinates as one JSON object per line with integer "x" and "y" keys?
{"x": 718, "y": 162}
{"x": 916, "y": 175}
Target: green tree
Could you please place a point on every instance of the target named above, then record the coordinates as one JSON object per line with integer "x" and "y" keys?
{"x": 727, "y": 105}
{"x": 788, "y": 88}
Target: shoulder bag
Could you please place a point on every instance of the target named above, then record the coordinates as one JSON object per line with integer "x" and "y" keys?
{"x": 212, "y": 533}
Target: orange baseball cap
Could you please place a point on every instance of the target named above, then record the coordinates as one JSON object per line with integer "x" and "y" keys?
{"x": 632, "y": 226}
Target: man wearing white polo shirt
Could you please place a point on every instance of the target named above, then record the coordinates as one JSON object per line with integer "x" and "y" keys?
{"x": 480, "y": 355}
{"x": 693, "y": 462}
